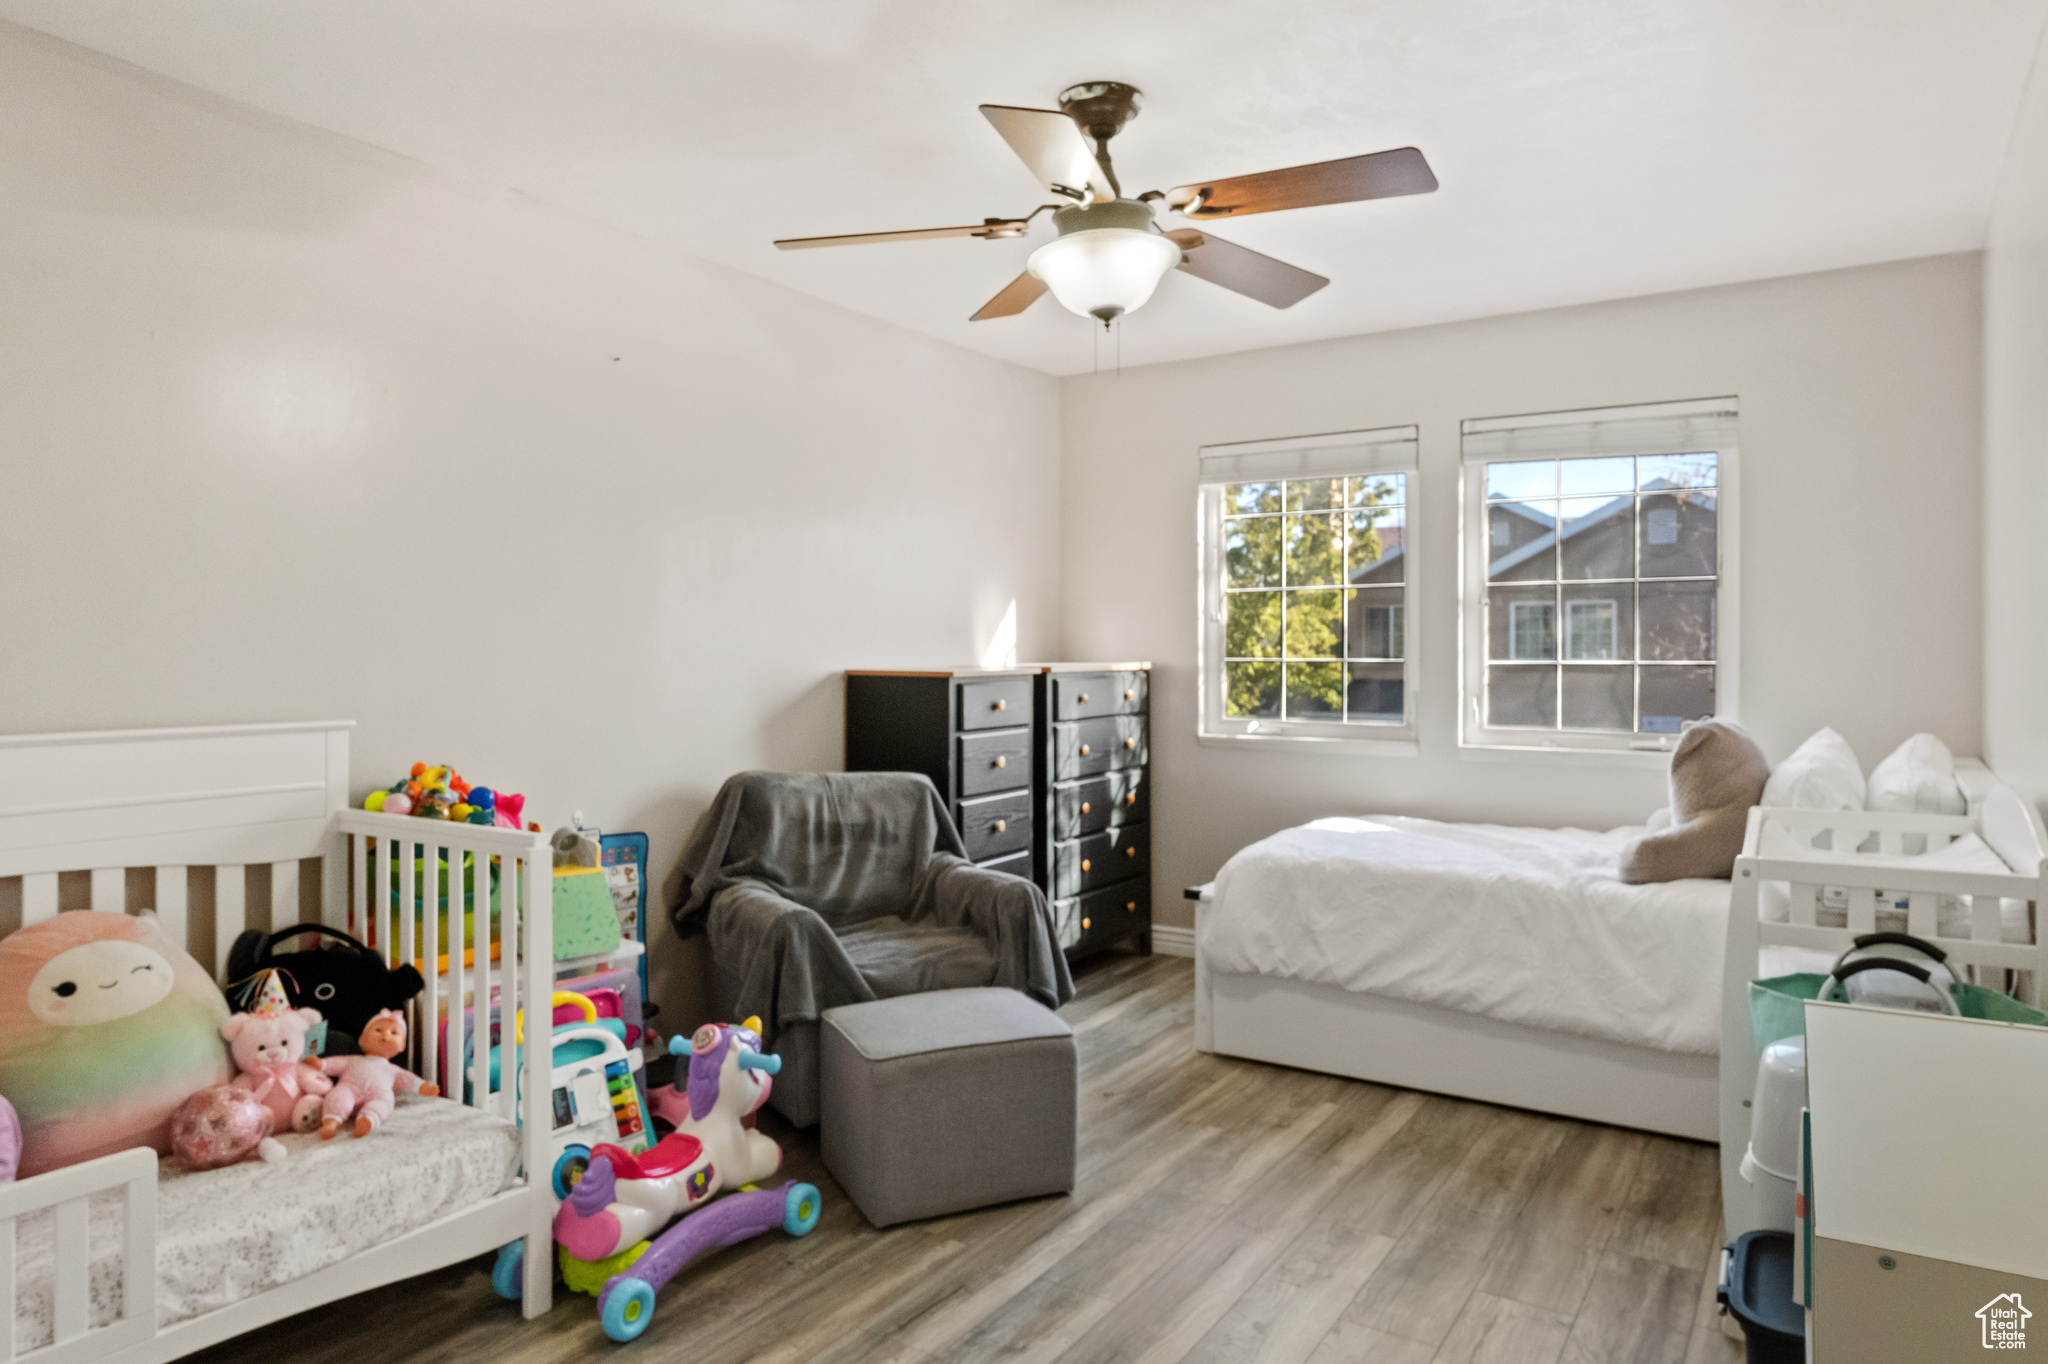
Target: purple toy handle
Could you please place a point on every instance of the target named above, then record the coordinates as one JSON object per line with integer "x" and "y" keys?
{"x": 727, "y": 1222}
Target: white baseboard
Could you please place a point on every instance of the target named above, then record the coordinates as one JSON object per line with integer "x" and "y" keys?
{"x": 1172, "y": 940}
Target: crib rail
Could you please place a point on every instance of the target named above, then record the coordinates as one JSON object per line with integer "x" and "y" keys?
{"x": 1862, "y": 895}
{"x": 68, "y": 1193}
{"x": 412, "y": 896}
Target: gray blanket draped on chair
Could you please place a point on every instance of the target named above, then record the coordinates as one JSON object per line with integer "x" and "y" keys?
{"x": 822, "y": 889}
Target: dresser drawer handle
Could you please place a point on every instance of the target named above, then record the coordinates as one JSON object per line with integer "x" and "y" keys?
{"x": 1001, "y": 761}
{"x": 1131, "y": 799}
{"x": 1086, "y": 924}
{"x": 1002, "y": 824}
{"x": 1084, "y": 750}
{"x": 1131, "y": 851}
{"x": 1132, "y": 906}
{"x": 1130, "y": 743}
{"x": 1084, "y": 864}
{"x": 1131, "y": 695}
{"x": 1000, "y": 704}
{"x": 1082, "y": 698}
{"x": 1084, "y": 807}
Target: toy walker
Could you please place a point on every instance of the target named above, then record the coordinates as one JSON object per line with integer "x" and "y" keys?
{"x": 616, "y": 1199}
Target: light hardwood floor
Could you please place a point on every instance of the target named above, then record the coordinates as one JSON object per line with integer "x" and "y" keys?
{"x": 1226, "y": 1211}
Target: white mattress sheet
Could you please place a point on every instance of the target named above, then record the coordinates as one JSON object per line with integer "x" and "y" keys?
{"x": 226, "y": 1235}
{"x": 1529, "y": 926}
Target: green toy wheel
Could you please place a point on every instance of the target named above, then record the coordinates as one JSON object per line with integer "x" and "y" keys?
{"x": 801, "y": 1212}
{"x": 627, "y": 1309}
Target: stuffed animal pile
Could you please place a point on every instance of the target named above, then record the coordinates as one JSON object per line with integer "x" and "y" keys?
{"x": 113, "y": 1037}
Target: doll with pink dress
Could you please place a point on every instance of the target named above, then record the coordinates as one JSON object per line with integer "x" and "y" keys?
{"x": 366, "y": 1087}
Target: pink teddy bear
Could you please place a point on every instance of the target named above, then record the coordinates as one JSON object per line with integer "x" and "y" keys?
{"x": 368, "y": 1085}
{"x": 271, "y": 1046}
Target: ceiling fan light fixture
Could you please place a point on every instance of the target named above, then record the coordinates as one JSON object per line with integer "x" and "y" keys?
{"x": 1104, "y": 272}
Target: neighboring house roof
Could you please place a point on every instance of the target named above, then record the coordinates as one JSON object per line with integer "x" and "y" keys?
{"x": 1578, "y": 526}
{"x": 1521, "y": 554}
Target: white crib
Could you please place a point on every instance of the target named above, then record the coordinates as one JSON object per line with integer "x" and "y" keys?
{"x": 144, "y": 819}
{"x": 1811, "y": 885}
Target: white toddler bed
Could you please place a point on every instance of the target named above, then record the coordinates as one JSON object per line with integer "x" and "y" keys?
{"x": 117, "y": 1259}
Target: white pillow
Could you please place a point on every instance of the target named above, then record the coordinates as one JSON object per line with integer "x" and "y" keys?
{"x": 1821, "y": 774}
{"x": 2009, "y": 831}
{"x": 1920, "y": 776}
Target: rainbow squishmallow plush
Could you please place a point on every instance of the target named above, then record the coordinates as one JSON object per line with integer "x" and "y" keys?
{"x": 105, "y": 1027}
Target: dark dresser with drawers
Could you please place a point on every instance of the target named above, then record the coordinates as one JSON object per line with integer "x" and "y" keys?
{"x": 1045, "y": 770}
{"x": 1096, "y": 801}
{"x": 971, "y": 731}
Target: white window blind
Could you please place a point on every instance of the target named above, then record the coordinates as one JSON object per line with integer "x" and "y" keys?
{"x": 1649, "y": 429}
{"x": 1385, "y": 450}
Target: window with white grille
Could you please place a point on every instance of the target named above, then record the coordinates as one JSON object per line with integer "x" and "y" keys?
{"x": 1596, "y": 604}
{"x": 1307, "y": 576}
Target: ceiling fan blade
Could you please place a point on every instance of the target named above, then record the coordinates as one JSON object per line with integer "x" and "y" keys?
{"x": 1019, "y": 294}
{"x": 987, "y": 228}
{"x": 1243, "y": 270}
{"x": 1378, "y": 175}
{"x": 1047, "y": 141}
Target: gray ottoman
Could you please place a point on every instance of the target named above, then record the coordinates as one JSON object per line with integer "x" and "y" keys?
{"x": 941, "y": 1102}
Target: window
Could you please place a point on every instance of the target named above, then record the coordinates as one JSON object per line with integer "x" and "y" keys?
{"x": 1532, "y": 630}
{"x": 1598, "y": 575}
{"x": 1307, "y": 567}
{"x": 1589, "y": 628}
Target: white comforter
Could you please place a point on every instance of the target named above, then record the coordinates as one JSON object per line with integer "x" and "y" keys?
{"x": 1530, "y": 926}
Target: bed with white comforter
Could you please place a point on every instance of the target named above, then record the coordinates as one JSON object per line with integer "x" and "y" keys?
{"x": 1527, "y": 926}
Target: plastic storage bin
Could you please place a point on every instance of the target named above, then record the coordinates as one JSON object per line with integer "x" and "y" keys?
{"x": 1756, "y": 1288}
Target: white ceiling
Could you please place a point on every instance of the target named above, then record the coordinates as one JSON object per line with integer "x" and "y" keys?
{"x": 1587, "y": 149}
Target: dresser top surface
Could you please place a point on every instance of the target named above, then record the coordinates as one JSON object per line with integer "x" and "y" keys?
{"x": 943, "y": 672}
{"x": 1092, "y": 667}
{"x": 1021, "y": 670}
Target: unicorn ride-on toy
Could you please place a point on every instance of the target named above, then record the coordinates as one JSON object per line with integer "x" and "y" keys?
{"x": 622, "y": 1198}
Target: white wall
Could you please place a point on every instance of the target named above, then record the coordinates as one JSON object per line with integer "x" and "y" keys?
{"x": 1860, "y": 515}
{"x": 2016, "y": 455}
{"x": 294, "y": 429}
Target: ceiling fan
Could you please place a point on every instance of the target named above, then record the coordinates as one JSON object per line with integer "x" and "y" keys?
{"x": 1111, "y": 253}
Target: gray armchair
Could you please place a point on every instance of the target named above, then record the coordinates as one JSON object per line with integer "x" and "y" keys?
{"x": 821, "y": 889}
